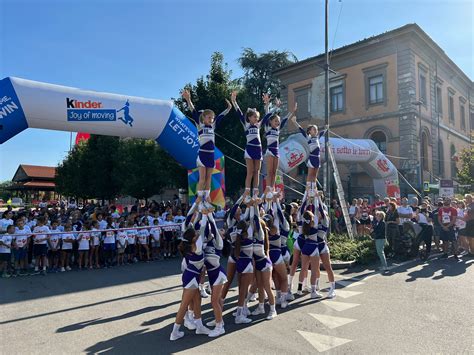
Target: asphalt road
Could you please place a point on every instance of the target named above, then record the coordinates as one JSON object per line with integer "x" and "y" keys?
{"x": 417, "y": 308}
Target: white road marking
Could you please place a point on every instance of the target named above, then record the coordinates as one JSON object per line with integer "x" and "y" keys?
{"x": 349, "y": 283}
{"x": 339, "y": 306}
{"x": 330, "y": 321}
{"x": 322, "y": 342}
{"x": 346, "y": 294}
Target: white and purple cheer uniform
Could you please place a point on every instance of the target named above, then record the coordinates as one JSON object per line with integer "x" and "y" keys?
{"x": 275, "y": 240}
{"x": 231, "y": 223}
{"x": 299, "y": 243}
{"x": 284, "y": 233}
{"x": 244, "y": 261}
{"x": 314, "y": 149}
{"x": 315, "y": 242}
{"x": 212, "y": 252}
{"x": 194, "y": 262}
{"x": 253, "y": 148}
{"x": 273, "y": 134}
{"x": 262, "y": 263}
{"x": 207, "y": 139}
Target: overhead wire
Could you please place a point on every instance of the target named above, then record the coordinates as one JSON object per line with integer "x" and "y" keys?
{"x": 243, "y": 150}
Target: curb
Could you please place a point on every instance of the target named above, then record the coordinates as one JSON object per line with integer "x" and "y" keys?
{"x": 338, "y": 265}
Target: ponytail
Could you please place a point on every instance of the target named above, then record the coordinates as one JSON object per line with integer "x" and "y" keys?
{"x": 186, "y": 245}
{"x": 308, "y": 217}
{"x": 266, "y": 241}
{"x": 242, "y": 226}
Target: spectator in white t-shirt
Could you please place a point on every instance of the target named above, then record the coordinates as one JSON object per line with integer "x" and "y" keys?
{"x": 6, "y": 220}
{"x": 66, "y": 247}
{"x": 405, "y": 212}
{"x": 84, "y": 239}
{"x": 155, "y": 233}
{"x": 53, "y": 247}
{"x": 20, "y": 246}
{"x": 131, "y": 238}
{"x": 143, "y": 235}
{"x": 122, "y": 242}
{"x": 6, "y": 249}
{"x": 40, "y": 247}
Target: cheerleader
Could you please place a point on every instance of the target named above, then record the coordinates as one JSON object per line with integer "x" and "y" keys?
{"x": 316, "y": 249}
{"x": 253, "y": 148}
{"x": 272, "y": 124}
{"x": 191, "y": 248}
{"x": 312, "y": 136}
{"x": 234, "y": 217}
{"x": 206, "y": 123}
{"x": 244, "y": 253}
{"x": 297, "y": 247}
{"x": 263, "y": 268}
{"x": 284, "y": 230}
{"x": 217, "y": 277}
{"x": 279, "y": 269}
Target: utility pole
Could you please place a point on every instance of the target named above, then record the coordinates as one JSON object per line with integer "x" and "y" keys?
{"x": 326, "y": 110}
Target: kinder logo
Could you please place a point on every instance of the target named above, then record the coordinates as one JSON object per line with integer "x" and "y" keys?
{"x": 93, "y": 111}
{"x": 72, "y": 103}
{"x": 7, "y": 106}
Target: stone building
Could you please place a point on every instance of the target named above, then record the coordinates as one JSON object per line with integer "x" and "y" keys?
{"x": 399, "y": 89}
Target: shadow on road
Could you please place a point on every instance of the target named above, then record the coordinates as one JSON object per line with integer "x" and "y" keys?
{"x": 447, "y": 268}
{"x": 142, "y": 294}
{"x": 25, "y": 288}
{"x": 157, "y": 341}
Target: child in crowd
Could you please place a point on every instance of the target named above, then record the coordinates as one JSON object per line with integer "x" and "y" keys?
{"x": 168, "y": 235}
{"x": 143, "y": 234}
{"x": 6, "y": 249}
{"x": 155, "y": 233}
{"x": 20, "y": 250}
{"x": 109, "y": 244}
{"x": 95, "y": 245}
{"x": 53, "y": 247}
{"x": 131, "y": 238}
{"x": 122, "y": 242}
{"x": 83, "y": 240}
{"x": 40, "y": 240}
{"x": 66, "y": 247}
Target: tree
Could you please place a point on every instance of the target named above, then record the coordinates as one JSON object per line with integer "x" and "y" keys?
{"x": 145, "y": 169}
{"x": 466, "y": 173}
{"x": 259, "y": 68}
{"x": 5, "y": 194}
{"x": 70, "y": 177}
{"x": 90, "y": 169}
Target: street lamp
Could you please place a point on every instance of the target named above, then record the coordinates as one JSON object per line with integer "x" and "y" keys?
{"x": 422, "y": 158}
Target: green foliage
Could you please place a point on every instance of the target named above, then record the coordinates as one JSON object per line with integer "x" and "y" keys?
{"x": 106, "y": 167}
{"x": 71, "y": 178}
{"x": 4, "y": 193}
{"x": 361, "y": 249}
{"x": 258, "y": 70}
{"x": 210, "y": 92}
{"x": 145, "y": 169}
{"x": 466, "y": 173}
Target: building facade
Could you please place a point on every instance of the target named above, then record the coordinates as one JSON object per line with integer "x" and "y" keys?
{"x": 399, "y": 89}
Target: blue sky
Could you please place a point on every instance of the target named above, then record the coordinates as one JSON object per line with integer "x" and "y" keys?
{"x": 152, "y": 48}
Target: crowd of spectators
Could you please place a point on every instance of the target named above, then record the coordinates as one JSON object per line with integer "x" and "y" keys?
{"x": 88, "y": 236}
{"x": 93, "y": 236}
